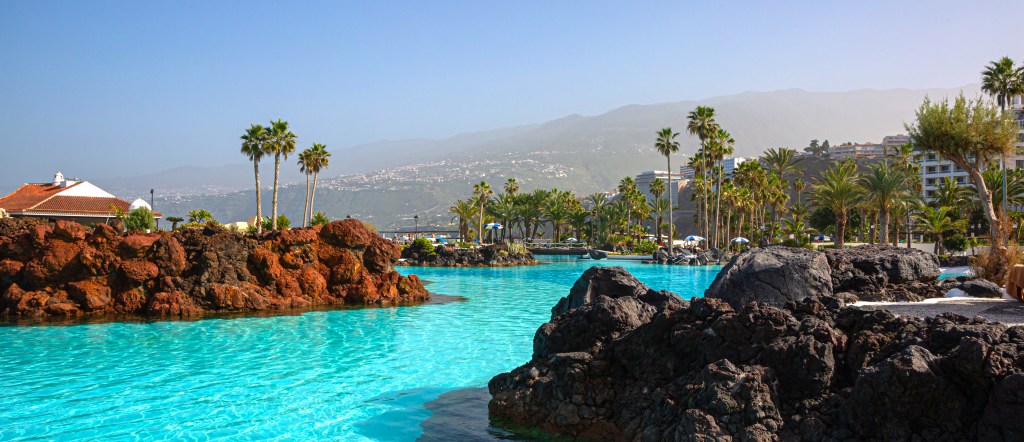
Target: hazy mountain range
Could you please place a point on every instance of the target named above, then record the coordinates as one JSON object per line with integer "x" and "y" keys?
{"x": 582, "y": 153}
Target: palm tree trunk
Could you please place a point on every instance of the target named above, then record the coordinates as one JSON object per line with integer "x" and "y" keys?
{"x": 668, "y": 160}
{"x": 305, "y": 211}
{"x": 259, "y": 199}
{"x": 277, "y": 173}
{"x": 480, "y": 224}
{"x": 312, "y": 195}
{"x": 883, "y": 225}
{"x": 840, "y": 228}
{"x": 718, "y": 207}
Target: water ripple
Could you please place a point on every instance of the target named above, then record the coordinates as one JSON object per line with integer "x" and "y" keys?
{"x": 357, "y": 374}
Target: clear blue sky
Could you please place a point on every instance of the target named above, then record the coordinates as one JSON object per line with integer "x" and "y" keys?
{"x": 120, "y": 88}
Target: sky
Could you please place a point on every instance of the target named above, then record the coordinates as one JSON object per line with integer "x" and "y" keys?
{"x": 106, "y": 89}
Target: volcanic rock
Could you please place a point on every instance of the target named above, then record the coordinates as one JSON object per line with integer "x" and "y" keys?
{"x": 68, "y": 270}
{"x": 627, "y": 363}
{"x": 773, "y": 275}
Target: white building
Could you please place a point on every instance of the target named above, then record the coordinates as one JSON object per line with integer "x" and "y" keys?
{"x": 891, "y": 142}
{"x": 729, "y": 165}
{"x": 644, "y": 179}
{"x": 856, "y": 151}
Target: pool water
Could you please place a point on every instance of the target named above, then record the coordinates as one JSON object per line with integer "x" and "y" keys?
{"x": 353, "y": 374}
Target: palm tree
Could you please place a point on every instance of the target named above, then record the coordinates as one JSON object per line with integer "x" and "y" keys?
{"x": 512, "y": 186}
{"x": 281, "y": 143}
{"x": 200, "y": 216}
{"x": 798, "y": 186}
{"x": 321, "y": 160}
{"x": 657, "y": 187}
{"x": 782, "y": 161}
{"x": 254, "y": 146}
{"x": 306, "y": 166}
{"x": 837, "y": 189}
{"x": 721, "y": 146}
{"x": 482, "y": 192}
{"x": 667, "y": 145}
{"x": 951, "y": 194}
{"x": 504, "y": 209}
{"x": 701, "y": 123}
{"x": 598, "y": 202}
{"x": 174, "y": 221}
{"x": 1003, "y": 81}
{"x": 659, "y": 206}
{"x": 883, "y": 186}
{"x": 937, "y": 222}
{"x": 464, "y": 211}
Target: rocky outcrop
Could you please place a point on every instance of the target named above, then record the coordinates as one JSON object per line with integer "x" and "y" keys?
{"x": 778, "y": 274}
{"x": 773, "y": 275}
{"x": 496, "y": 255}
{"x": 67, "y": 270}
{"x": 619, "y": 361}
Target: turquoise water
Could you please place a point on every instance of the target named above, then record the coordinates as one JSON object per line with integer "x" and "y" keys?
{"x": 356, "y": 374}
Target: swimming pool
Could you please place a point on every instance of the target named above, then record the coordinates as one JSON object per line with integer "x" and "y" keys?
{"x": 353, "y": 374}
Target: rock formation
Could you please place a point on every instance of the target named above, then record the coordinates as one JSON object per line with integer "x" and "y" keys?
{"x": 67, "y": 270}
{"x": 619, "y": 361}
{"x": 777, "y": 274}
{"x": 496, "y": 255}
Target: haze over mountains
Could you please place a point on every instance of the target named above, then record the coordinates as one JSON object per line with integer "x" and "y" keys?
{"x": 581, "y": 153}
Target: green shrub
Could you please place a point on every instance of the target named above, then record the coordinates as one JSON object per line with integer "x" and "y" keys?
{"x": 516, "y": 248}
{"x": 140, "y": 219}
{"x": 283, "y": 223}
{"x": 645, "y": 247}
{"x": 502, "y": 253}
{"x": 790, "y": 242}
{"x": 956, "y": 243}
{"x": 423, "y": 245}
{"x": 319, "y": 219}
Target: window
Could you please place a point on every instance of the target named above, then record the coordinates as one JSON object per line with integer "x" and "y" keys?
{"x": 1020, "y": 164}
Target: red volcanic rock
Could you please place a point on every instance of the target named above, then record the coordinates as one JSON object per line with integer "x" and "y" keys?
{"x": 172, "y": 304}
{"x": 92, "y": 294}
{"x": 139, "y": 271}
{"x": 10, "y": 268}
{"x": 136, "y": 246}
{"x": 66, "y": 270}
{"x": 69, "y": 231}
{"x": 348, "y": 233}
{"x": 381, "y": 255}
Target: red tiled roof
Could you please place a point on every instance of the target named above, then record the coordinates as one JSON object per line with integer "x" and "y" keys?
{"x": 41, "y": 199}
{"x": 80, "y": 204}
{"x": 29, "y": 195}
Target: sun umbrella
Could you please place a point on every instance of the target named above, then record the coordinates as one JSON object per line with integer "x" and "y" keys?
{"x": 570, "y": 240}
{"x": 823, "y": 238}
{"x": 740, "y": 240}
{"x": 492, "y": 226}
{"x": 694, "y": 238}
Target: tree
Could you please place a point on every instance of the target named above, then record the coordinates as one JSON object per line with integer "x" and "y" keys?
{"x": 837, "y": 189}
{"x": 720, "y": 146}
{"x": 667, "y": 145}
{"x": 512, "y": 186}
{"x": 174, "y": 221}
{"x": 319, "y": 219}
{"x": 701, "y": 123}
{"x": 951, "y": 194}
{"x": 140, "y": 219}
{"x": 883, "y": 185}
{"x": 598, "y": 203}
{"x": 937, "y": 222}
{"x": 199, "y": 216}
{"x": 254, "y": 145}
{"x": 464, "y": 211}
{"x": 660, "y": 206}
{"x": 482, "y": 193}
{"x": 1002, "y": 80}
{"x": 321, "y": 159}
{"x": 306, "y": 167}
{"x": 782, "y": 161}
{"x": 816, "y": 149}
{"x": 281, "y": 143}
{"x": 971, "y": 134}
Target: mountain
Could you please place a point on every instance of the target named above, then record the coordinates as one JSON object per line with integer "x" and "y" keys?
{"x": 390, "y": 181}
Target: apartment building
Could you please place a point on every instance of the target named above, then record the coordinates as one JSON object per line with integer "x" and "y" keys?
{"x": 856, "y": 151}
{"x": 644, "y": 179}
{"x": 729, "y": 165}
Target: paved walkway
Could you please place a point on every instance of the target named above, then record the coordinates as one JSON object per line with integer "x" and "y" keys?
{"x": 999, "y": 310}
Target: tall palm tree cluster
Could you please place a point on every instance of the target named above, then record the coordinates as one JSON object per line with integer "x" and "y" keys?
{"x": 278, "y": 141}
